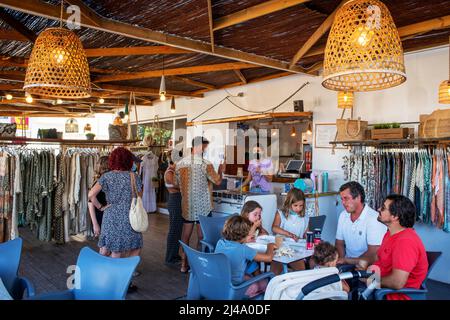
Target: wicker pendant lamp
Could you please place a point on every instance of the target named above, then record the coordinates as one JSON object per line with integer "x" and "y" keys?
{"x": 71, "y": 126}
{"x": 345, "y": 100}
{"x": 444, "y": 88}
{"x": 363, "y": 50}
{"x": 58, "y": 66}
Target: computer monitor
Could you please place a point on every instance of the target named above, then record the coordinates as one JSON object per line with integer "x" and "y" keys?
{"x": 294, "y": 166}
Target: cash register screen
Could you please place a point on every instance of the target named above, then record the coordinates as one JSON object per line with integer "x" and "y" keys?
{"x": 294, "y": 166}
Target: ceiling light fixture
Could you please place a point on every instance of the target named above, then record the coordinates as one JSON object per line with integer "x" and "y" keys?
{"x": 58, "y": 66}
{"x": 364, "y": 51}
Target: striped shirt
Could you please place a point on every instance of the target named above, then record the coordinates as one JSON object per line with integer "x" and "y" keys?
{"x": 196, "y": 176}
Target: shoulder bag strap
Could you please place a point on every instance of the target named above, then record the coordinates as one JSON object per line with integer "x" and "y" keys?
{"x": 133, "y": 185}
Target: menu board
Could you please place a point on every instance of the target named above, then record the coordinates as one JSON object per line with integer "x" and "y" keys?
{"x": 324, "y": 134}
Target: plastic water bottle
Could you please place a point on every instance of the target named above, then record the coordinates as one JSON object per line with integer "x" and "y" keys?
{"x": 325, "y": 182}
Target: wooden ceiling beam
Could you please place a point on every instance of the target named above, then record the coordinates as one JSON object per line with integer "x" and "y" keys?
{"x": 8, "y": 86}
{"x": 176, "y": 71}
{"x": 193, "y": 82}
{"x": 424, "y": 26}
{"x": 210, "y": 24}
{"x": 151, "y": 91}
{"x": 30, "y": 106}
{"x": 254, "y": 12}
{"x": 240, "y": 76}
{"x": 49, "y": 11}
{"x": 259, "y": 79}
{"x": 133, "y": 51}
{"x": 12, "y": 35}
{"x": 405, "y": 32}
{"x": 17, "y": 25}
{"x": 34, "y": 114}
{"x": 323, "y": 28}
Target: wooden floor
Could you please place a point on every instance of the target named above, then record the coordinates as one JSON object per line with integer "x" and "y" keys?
{"x": 45, "y": 264}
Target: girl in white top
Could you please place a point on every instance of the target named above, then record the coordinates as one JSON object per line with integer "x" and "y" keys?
{"x": 291, "y": 222}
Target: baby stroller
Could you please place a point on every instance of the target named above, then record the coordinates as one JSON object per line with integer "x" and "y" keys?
{"x": 318, "y": 284}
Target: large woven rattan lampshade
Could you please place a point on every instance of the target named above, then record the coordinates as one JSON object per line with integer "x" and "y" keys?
{"x": 363, "y": 51}
{"x": 444, "y": 88}
{"x": 345, "y": 100}
{"x": 58, "y": 66}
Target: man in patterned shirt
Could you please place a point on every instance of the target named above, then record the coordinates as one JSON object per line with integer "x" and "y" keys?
{"x": 196, "y": 176}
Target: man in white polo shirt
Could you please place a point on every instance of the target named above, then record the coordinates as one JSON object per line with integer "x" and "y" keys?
{"x": 359, "y": 233}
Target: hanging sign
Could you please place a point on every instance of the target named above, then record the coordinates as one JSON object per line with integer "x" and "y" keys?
{"x": 22, "y": 122}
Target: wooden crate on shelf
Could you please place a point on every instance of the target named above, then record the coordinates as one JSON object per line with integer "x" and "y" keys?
{"x": 394, "y": 133}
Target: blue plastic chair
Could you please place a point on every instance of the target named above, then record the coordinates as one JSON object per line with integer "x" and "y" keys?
{"x": 414, "y": 294}
{"x": 210, "y": 277}
{"x": 212, "y": 231}
{"x": 97, "y": 278}
{"x": 10, "y": 253}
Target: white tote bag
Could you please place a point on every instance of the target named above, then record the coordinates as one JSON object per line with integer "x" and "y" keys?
{"x": 138, "y": 215}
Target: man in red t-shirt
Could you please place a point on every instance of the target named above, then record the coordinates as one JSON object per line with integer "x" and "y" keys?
{"x": 401, "y": 257}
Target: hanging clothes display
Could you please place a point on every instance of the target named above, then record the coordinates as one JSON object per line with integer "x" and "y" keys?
{"x": 46, "y": 190}
{"x": 148, "y": 171}
{"x": 422, "y": 175}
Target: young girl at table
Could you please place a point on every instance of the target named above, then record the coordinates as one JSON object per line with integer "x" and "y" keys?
{"x": 252, "y": 211}
{"x": 291, "y": 222}
{"x": 235, "y": 234}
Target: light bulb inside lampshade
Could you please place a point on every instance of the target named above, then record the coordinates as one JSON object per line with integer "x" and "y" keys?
{"x": 101, "y": 100}
{"x": 444, "y": 92}
{"x": 29, "y": 99}
{"x": 363, "y": 36}
{"x": 293, "y": 132}
{"x": 345, "y": 99}
{"x": 9, "y": 96}
{"x": 162, "y": 97}
{"x": 59, "y": 56}
{"x": 59, "y": 101}
{"x": 309, "y": 131}
{"x": 172, "y": 105}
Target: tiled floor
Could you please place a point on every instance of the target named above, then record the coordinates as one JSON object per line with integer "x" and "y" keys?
{"x": 45, "y": 264}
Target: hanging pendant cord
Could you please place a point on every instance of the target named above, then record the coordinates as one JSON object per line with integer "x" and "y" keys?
{"x": 61, "y": 15}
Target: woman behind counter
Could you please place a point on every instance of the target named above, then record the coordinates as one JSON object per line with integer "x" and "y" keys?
{"x": 260, "y": 171}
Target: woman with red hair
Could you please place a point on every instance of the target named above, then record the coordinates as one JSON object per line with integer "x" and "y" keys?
{"x": 116, "y": 236}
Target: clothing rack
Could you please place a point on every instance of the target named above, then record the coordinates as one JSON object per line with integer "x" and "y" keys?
{"x": 395, "y": 142}
{"x": 421, "y": 173}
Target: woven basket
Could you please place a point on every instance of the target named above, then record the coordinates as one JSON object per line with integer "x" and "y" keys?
{"x": 349, "y": 130}
{"x": 117, "y": 132}
{"x": 436, "y": 125}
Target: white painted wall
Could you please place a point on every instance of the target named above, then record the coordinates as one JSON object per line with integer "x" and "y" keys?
{"x": 99, "y": 124}
{"x": 418, "y": 95}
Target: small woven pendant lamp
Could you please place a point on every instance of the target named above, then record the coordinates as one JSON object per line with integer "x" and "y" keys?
{"x": 444, "y": 88}
{"x": 58, "y": 66}
{"x": 363, "y": 50}
{"x": 345, "y": 100}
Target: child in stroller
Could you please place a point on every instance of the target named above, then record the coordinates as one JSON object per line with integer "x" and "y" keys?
{"x": 324, "y": 281}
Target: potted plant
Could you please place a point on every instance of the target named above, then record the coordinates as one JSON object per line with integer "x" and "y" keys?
{"x": 388, "y": 131}
{"x": 90, "y": 136}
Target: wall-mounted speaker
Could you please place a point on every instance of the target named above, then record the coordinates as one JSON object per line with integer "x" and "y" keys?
{"x": 298, "y": 106}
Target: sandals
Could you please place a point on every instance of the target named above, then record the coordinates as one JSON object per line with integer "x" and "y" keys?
{"x": 184, "y": 266}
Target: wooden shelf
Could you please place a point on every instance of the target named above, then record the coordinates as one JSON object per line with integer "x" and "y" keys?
{"x": 24, "y": 140}
{"x": 268, "y": 116}
{"x": 388, "y": 142}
